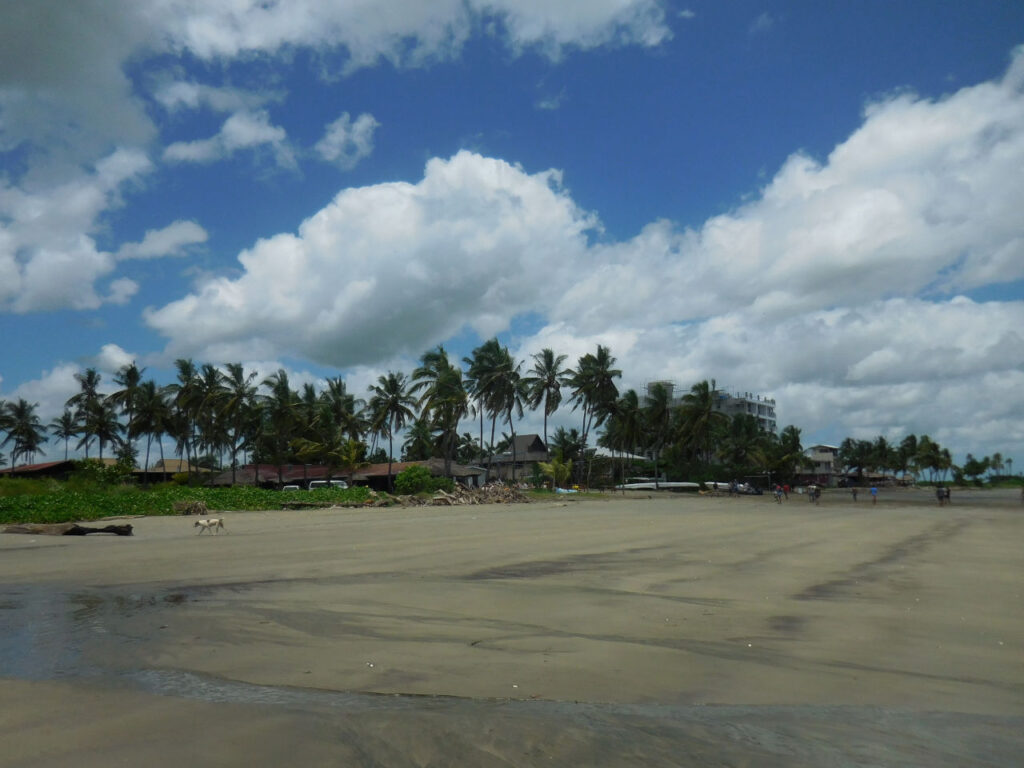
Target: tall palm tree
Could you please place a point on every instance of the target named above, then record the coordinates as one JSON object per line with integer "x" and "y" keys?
{"x": 101, "y": 421}
{"x": 128, "y": 378}
{"x": 238, "y": 400}
{"x": 699, "y": 420}
{"x": 478, "y": 383}
{"x": 343, "y": 408}
{"x": 84, "y": 401}
{"x": 24, "y": 430}
{"x": 507, "y": 394}
{"x": 443, "y": 399}
{"x": 280, "y": 406}
{"x": 151, "y": 416}
{"x": 625, "y": 428}
{"x": 65, "y": 427}
{"x": 185, "y": 403}
{"x": 211, "y": 393}
{"x": 391, "y": 408}
{"x": 593, "y": 388}
{"x": 419, "y": 441}
{"x": 657, "y": 416}
{"x": 544, "y": 384}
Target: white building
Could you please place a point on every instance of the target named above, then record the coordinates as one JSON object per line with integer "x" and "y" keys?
{"x": 761, "y": 408}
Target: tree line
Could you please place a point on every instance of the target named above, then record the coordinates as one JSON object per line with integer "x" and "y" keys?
{"x": 219, "y": 416}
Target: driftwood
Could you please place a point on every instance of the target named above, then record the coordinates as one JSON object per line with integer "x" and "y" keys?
{"x": 67, "y": 529}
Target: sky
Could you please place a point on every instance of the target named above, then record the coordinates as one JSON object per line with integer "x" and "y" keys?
{"x": 816, "y": 202}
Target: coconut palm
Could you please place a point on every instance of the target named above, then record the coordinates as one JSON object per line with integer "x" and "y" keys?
{"x": 593, "y": 388}
{"x": 184, "y": 400}
{"x": 544, "y": 384}
{"x": 419, "y": 441}
{"x": 391, "y": 408}
{"x": 442, "y": 396}
{"x": 483, "y": 361}
{"x": 84, "y": 401}
{"x": 657, "y": 417}
{"x": 151, "y": 416}
{"x": 280, "y": 407}
{"x": 343, "y": 408}
{"x": 699, "y": 420}
{"x": 25, "y": 431}
{"x": 102, "y": 423}
{"x": 236, "y": 406}
{"x": 65, "y": 427}
{"x": 129, "y": 378}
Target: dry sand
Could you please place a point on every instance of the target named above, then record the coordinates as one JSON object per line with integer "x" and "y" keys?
{"x": 677, "y": 630}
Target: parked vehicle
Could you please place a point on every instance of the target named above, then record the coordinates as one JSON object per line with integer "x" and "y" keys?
{"x": 315, "y": 484}
{"x": 291, "y": 488}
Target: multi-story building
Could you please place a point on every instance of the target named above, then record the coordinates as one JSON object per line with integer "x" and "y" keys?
{"x": 761, "y": 408}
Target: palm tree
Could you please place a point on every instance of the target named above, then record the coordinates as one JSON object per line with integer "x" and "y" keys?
{"x": 24, "y": 430}
{"x": 484, "y": 360}
{"x": 184, "y": 402}
{"x": 593, "y": 388}
{"x": 699, "y": 419}
{"x": 391, "y": 407}
{"x": 419, "y": 441}
{"x": 238, "y": 400}
{"x": 101, "y": 421}
{"x": 544, "y": 384}
{"x": 84, "y": 401}
{"x": 657, "y": 415}
{"x": 443, "y": 397}
{"x": 151, "y": 416}
{"x": 625, "y": 428}
{"x": 343, "y": 408}
{"x": 280, "y": 407}
{"x": 506, "y": 393}
{"x": 64, "y": 427}
{"x": 128, "y": 377}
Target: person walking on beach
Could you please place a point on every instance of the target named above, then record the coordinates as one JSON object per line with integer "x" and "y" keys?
{"x": 778, "y": 493}
{"x": 785, "y": 491}
{"x": 853, "y": 492}
{"x": 940, "y": 494}
{"x": 874, "y": 495}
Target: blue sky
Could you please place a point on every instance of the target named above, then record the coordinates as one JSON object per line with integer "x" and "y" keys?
{"x": 815, "y": 201}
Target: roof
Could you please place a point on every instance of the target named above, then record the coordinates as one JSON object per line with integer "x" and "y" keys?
{"x": 291, "y": 473}
{"x": 31, "y": 468}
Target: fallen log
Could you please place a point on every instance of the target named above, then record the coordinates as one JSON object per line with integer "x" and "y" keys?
{"x": 66, "y": 529}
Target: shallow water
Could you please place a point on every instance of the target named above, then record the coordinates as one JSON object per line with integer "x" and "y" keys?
{"x": 47, "y": 633}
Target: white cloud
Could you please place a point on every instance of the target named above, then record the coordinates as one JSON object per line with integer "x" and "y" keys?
{"x": 172, "y": 240}
{"x": 48, "y": 257}
{"x": 345, "y": 143}
{"x": 242, "y": 130}
{"x": 185, "y": 94}
{"x": 392, "y": 268}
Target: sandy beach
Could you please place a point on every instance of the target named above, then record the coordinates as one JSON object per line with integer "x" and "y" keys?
{"x": 675, "y": 630}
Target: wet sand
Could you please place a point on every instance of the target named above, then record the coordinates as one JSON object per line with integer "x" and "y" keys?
{"x": 677, "y": 630}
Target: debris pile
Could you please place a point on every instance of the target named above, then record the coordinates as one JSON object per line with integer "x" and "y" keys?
{"x": 494, "y": 493}
{"x": 190, "y": 507}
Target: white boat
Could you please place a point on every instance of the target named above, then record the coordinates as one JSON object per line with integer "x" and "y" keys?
{"x": 662, "y": 486}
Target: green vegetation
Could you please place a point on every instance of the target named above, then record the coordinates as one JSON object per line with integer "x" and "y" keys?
{"x": 418, "y": 479}
{"x": 33, "y": 501}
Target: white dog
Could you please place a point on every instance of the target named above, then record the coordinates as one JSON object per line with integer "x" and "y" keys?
{"x": 210, "y": 524}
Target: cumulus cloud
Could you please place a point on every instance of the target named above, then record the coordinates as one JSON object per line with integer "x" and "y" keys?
{"x": 345, "y": 143}
{"x": 48, "y": 257}
{"x": 172, "y": 240}
{"x": 393, "y": 268}
{"x": 838, "y": 288}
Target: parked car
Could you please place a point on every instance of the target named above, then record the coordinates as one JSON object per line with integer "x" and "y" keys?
{"x": 291, "y": 488}
{"x": 314, "y": 484}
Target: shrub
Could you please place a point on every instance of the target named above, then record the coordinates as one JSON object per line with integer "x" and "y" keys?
{"x": 417, "y": 479}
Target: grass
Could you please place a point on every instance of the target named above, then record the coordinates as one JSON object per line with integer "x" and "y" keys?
{"x": 34, "y": 501}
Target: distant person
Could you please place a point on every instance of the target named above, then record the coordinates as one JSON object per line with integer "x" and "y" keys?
{"x": 778, "y": 493}
{"x": 810, "y": 493}
{"x": 948, "y": 497}
{"x": 853, "y": 492}
{"x": 785, "y": 491}
{"x": 940, "y": 494}
{"x": 874, "y": 495}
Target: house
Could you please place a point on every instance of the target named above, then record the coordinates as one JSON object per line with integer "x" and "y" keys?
{"x": 823, "y": 466}
{"x": 58, "y": 470}
{"x": 529, "y": 451}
